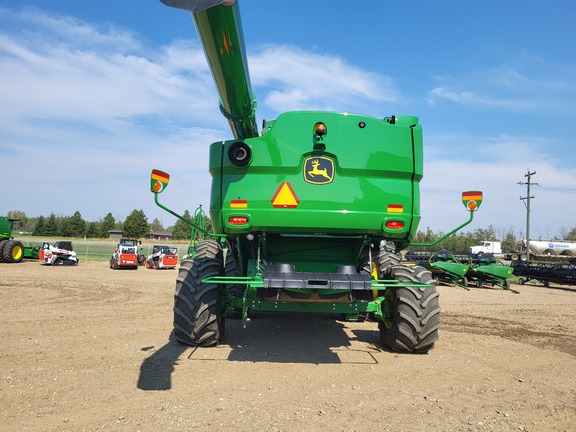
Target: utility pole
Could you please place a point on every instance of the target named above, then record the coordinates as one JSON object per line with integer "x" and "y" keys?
{"x": 527, "y": 204}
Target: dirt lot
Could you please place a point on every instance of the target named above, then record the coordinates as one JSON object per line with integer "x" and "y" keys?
{"x": 87, "y": 348}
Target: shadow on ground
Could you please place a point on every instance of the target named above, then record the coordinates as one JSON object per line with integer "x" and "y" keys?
{"x": 270, "y": 337}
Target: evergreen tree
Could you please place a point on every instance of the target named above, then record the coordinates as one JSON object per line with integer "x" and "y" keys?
{"x": 156, "y": 225}
{"x": 52, "y": 227}
{"x": 136, "y": 225}
{"x": 93, "y": 229}
{"x": 182, "y": 230}
{"x": 40, "y": 227}
{"x": 62, "y": 226}
{"x": 74, "y": 226}
{"x": 107, "y": 224}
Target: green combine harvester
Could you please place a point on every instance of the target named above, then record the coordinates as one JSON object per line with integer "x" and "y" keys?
{"x": 308, "y": 216}
{"x": 12, "y": 250}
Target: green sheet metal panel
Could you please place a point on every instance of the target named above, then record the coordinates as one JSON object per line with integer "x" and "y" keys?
{"x": 376, "y": 170}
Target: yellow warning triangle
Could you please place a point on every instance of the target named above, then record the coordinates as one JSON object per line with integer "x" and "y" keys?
{"x": 285, "y": 197}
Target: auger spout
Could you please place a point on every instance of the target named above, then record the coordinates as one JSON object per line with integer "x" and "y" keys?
{"x": 220, "y": 31}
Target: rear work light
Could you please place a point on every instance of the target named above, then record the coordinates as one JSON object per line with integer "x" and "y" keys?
{"x": 239, "y": 154}
{"x": 395, "y": 225}
{"x": 320, "y": 130}
{"x": 238, "y": 220}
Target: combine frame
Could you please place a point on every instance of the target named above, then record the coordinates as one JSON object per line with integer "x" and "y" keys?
{"x": 308, "y": 216}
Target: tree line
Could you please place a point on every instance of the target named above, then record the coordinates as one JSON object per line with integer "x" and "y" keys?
{"x": 136, "y": 225}
{"x": 460, "y": 242}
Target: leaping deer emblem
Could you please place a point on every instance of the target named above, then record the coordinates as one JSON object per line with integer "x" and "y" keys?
{"x": 316, "y": 171}
{"x": 322, "y": 171}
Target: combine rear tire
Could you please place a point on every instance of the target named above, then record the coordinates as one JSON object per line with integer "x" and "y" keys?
{"x": 2, "y": 244}
{"x": 12, "y": 252}
{"x": 197, "y": 319}
{"x": 385, "y": 262}
{"x": 416, "y": 317}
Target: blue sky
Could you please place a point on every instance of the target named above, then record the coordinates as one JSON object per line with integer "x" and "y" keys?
{"x": 96, "y": 94}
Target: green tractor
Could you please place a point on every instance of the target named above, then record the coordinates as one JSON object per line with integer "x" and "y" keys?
{"x": 309, "y": 216}
{"x": 11, "y": 250}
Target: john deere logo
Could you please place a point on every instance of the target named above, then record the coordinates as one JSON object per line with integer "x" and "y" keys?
{"x": 318, "y": 170}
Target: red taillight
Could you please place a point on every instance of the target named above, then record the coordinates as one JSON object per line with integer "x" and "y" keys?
{"x": 238, "y": 220}
{"x": 394, "y": 225}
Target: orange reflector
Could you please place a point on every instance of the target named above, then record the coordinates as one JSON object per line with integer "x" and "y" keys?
{"x": 160, "y": 175}
{"x": 238, "y": 220}
{"x": 238, "y": 203}
{"x": 395, "y": 208}
{"x": 394, "y": 225}
{"x": 472, "y": 195}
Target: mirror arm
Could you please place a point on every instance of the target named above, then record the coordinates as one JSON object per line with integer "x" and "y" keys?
{"x": 192, "y": 224}
{"x": 446, "y": 235}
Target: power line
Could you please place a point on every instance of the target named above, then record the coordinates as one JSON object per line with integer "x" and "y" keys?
{"x": 526, "y": 200}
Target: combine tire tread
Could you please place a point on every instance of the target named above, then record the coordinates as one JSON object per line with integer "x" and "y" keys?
{"x": 2, "y": 244}
{"x": 12, "y": 251}
{"x": 385, "y": 261}
{"x": 416, "y": 320}
{"x": 196, "y": 305}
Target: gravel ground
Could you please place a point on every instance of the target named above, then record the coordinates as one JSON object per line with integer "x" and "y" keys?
{"x": 87, "y": 348}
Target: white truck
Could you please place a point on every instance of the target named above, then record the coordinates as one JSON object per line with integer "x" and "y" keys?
{"x": 537, "y": 248}
{"x": 493, "y": 247}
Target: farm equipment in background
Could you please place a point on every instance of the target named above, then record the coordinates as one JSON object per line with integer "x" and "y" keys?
{"x": 474, "y": 270}
{"x": 485, "y": 269}
{"x": 60, "y": 254}
{"x": 198, "y": 232}
{"x": 163, "y": 257}
{"x": 310, "y": 216}
{"x": 539, "y": 249}
{"x": 443, "y": 265}
{"x": 12, "y": 250}
{"x": 546, "y": 273}
{"x": 126, "y": 255}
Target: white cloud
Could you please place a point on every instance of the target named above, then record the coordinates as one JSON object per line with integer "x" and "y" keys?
{"x": 514, "y": 88}
{"x": 307, "y": 80}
